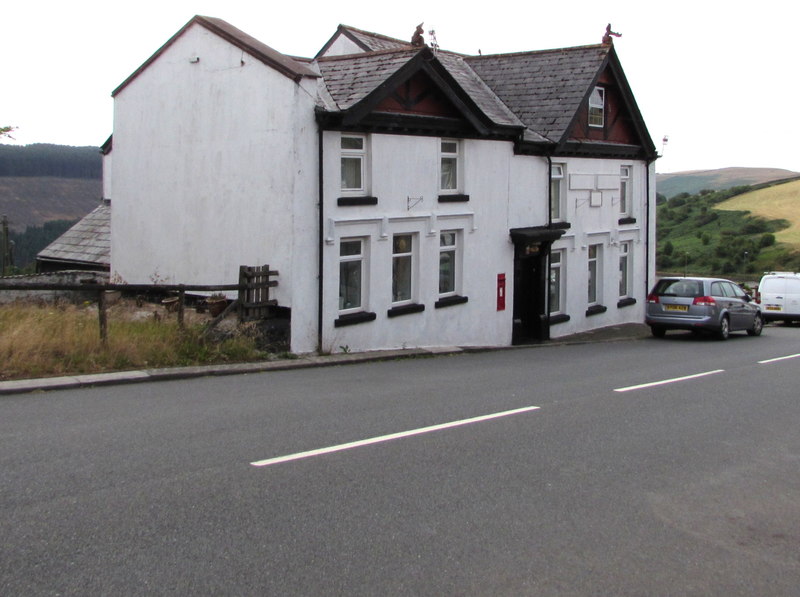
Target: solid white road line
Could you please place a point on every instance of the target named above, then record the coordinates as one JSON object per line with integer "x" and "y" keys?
{"x": 791, "y": 356}
{"x": 666, "y": 381}
{"x": 386, "y": 438}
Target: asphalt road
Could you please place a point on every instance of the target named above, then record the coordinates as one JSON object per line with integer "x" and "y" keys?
{"x": 611, "y": 486}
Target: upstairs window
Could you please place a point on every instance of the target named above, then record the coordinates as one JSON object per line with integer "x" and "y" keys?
{"x": 625, "y": 190}
{"x": 557, "y": 192}
{"x": 597, "y": 107}
{"x": 354, "y": 157}
{"x": 448, "y": 171}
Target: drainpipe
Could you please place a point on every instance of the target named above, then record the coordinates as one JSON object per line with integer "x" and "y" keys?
{"x": 320, "y": 243}
{"x": 647, "y": 229}
{"x": 549, "y": 190}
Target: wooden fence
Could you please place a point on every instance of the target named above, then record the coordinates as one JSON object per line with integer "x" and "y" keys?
{"x": 253, "y": 300}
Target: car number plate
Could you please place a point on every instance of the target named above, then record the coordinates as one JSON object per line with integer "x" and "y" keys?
{"x": 773, "y": 308}
{"x": 682, "y": 308}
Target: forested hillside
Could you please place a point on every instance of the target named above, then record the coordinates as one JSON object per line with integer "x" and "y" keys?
{"x": 44, "y": 189}
{"x": 40, "y": 183}
{"x": 42, "y": 159}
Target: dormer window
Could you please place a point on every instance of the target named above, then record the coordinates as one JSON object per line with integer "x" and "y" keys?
{"x": 597, "y": 106}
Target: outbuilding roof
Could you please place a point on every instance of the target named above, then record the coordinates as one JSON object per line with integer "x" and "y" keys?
{"x": 87, "y": 242}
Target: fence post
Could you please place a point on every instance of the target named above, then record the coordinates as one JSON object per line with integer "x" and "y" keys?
{"x": 181, "y": 297}
{"x": 101, "y": 311}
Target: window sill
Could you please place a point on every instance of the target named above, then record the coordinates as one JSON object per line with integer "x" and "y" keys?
{"x": 626, "y": 302}
{"x": 351, "y": 201}
{"x": 405, "y": 310}
{"x": 454, "y": 198}
{"x": 596, "y": 310}
{"x": 353, "y": 319}
{"x": 623, "y": 221}
{"x": 450, "y": 301}
{"x": 560, "y": 318}
{"x": 560, "y": 225}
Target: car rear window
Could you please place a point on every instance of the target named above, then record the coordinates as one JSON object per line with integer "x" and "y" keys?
{"x": 682, "y": 288}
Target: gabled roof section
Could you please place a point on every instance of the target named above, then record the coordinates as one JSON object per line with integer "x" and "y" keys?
{"x": 545, "y": 88}
{"x": 357, "y": 83}
{"x": 260, "y": 51}
{"x": 366, "y": 40}
{"x": 88, "y": 241}
{"x": 548, "y": 89}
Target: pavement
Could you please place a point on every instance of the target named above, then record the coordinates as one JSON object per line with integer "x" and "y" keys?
{"x": 614, "y": 333}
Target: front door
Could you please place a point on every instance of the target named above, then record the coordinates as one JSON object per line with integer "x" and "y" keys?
{"x": 530, "y": 294}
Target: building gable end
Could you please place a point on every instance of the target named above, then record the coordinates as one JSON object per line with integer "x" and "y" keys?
{"x": 268, "y": 56}
{"x": 623, "y": 126}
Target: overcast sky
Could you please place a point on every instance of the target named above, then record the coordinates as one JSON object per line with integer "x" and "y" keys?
{"x": 721, "y": 81}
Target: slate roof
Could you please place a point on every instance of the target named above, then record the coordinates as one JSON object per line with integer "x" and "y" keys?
{"x": 546, "y": 88}
{"x": 350, "y": 78}
{"x": 374, "y": 42}
{"x": 88, "y": 241}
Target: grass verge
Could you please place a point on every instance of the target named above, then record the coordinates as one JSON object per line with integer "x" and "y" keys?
{"x": 64, "y": 339}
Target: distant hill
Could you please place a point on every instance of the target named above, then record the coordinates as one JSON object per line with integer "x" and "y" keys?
{"x": 32, "y": 201}
{"x": 44, "y": 182}
{"x": 694, "y": 181}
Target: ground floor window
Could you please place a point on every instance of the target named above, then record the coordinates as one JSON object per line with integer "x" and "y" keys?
{"x": 351, "y": 275}
{"x": 595, "y": 273}
{"x": 402, "y": 268}
{"x": 556, "y": 282}
{"x": 448, "y": 254}
{"x": 624, "y": 269}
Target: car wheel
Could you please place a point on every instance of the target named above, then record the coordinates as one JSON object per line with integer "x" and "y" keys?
{"x": 657, "y": 331}
{"x": 758, "y": 325}
{"x": 724, "y": 329}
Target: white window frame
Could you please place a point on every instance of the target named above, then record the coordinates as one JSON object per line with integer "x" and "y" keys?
{"x": 557, "y": 281}
{"x": 595, "y": 274}
{"x": 557, "y": 174}
{"x": 625, "y": 269}
{"x": 362, "y": 259}
{"x": 455, "y": 249}
{"x": 409, "y": 253}
{"x": 625, "y": 190}
{"x": 454, "y": 156}
{"x": 597, "y": 107}
{"x": 355, "y": 154}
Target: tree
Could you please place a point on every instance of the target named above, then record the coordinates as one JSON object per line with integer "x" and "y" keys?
{"x": 5, "y": 131}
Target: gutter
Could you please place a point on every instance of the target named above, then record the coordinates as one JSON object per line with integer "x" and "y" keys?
{"x": 320, "y": 242}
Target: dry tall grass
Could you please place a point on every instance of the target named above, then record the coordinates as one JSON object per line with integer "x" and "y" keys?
{"x": 64, "y": 339}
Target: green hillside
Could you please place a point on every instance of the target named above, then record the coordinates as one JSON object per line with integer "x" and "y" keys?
{"x": 697, "y": 235}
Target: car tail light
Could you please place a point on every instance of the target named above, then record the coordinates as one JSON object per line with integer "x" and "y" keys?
{"x": 758, "y": 297}
{"x": 652, "y": 298}
{"x": 704, "y": 301}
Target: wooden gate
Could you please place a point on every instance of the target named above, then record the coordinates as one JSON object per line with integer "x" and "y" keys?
{"x": 254, "y": 285}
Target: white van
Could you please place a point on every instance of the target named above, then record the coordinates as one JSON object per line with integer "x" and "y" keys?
{"x": 779, "y": 295}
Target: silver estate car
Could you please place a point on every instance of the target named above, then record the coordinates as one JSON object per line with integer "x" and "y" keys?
{"x": 702, "y": 304}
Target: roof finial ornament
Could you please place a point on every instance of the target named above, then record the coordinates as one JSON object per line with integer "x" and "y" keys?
{"x": 434, "y": 43}
{"x": 608, "y": 38}
{"x": 417, "y": 40}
